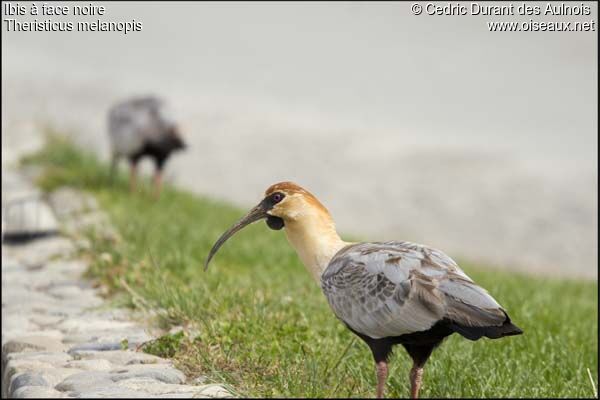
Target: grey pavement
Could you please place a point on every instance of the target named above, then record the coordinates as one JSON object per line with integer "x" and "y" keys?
{"x": 59, "y": 337}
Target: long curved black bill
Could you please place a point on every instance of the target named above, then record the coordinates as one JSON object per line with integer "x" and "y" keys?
{"x": 257, "y": 213}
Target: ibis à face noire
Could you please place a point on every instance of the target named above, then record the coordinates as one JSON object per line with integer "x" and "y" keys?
{"x": 386, "y": 293}
{"x": 141, "y": 127}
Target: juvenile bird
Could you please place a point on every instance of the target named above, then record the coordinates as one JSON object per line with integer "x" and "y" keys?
{"x": 387, "y": 293}
{"x": 142, "y": 127}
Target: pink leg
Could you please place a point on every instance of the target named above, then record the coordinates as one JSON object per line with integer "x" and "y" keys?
{"x": 416, "y": 377}
{"x": 157, "y": 183}
{"x": 132, "y": 177}
{"x": 382, "y": 373}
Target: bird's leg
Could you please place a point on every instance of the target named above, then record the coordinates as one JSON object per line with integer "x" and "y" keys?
{"x": 157, "y": 183}
{"x": 382, "y": 373}
{"x": 113, "y": 168}
{"x": 416, "y": 377}
{"x": 132, "y": 177}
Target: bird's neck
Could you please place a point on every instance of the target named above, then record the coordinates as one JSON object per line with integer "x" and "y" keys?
{"x": 316, "y": 241}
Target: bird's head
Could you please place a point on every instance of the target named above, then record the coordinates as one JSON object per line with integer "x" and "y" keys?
{"x": 284, "y": 204}
{"x": 174, "y": 139}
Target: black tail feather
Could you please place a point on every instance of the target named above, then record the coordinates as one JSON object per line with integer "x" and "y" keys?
{"x": 492, "y": 332}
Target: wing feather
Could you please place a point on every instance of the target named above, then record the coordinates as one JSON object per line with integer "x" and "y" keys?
{"x": 395, "y": 288}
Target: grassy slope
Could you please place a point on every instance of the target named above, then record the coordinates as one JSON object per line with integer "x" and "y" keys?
{"x": 266, "y": 329}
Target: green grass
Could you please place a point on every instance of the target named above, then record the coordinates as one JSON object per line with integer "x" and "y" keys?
{"x": 264, "y": 327}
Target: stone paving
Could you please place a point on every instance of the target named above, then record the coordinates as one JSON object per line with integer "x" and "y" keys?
{"x": 59, "y": 338}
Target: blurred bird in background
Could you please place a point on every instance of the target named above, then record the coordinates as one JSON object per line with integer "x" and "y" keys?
{"x": 141, "y": 127}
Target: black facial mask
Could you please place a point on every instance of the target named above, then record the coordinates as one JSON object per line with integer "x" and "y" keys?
{"x": 275, "y": 223}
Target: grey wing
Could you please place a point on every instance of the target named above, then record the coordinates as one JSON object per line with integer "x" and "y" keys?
{"x": 126, "y": 126}
{"x": 395, "y": 288}
{"x": 134, "y": 122}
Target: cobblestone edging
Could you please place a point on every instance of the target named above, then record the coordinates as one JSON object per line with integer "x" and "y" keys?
{"x": 57, "y": 338}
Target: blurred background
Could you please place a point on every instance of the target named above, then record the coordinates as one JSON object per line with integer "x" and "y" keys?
{"x": 422, "y": 128}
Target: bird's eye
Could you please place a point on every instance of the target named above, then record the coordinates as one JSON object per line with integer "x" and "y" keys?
{"x": 277, "y": 197}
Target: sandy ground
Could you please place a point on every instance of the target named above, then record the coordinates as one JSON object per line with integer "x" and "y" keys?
{"x": 483, "y": 145}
